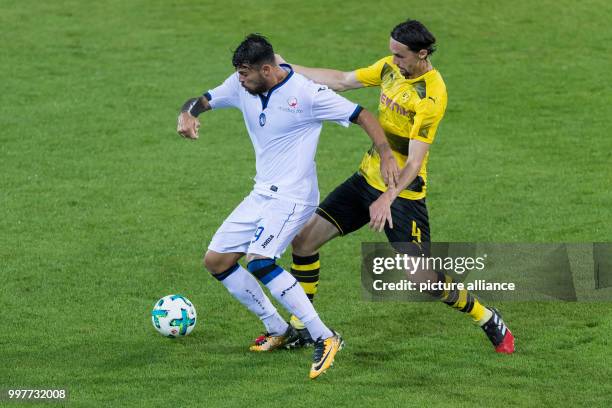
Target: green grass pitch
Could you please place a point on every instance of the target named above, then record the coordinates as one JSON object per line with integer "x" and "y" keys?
{"x": 104, "y": 209}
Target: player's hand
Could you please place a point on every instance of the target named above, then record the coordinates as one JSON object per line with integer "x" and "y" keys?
{"x": 389, "y": 169}
{"x": 380, "y": 213}
{"x": 279, "y": 59}
{"x": 188, "y": 125}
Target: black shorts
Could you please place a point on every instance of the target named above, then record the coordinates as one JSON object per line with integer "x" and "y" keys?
{"x": 348, "y": 208}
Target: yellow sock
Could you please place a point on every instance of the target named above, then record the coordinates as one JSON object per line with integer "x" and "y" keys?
{"x": 465, "y": 302}
{"x": 305, "y": 269}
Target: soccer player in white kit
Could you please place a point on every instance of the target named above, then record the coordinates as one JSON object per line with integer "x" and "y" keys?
{"x": 283, "y": 112}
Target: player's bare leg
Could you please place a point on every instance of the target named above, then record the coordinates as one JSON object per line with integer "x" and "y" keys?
{"x": 216, "y": 262}
{"x": 313, "y": 236}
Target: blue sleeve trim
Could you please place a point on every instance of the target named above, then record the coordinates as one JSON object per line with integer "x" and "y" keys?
{"x": 355, "y": 113}
{"x": 207, "y": 96}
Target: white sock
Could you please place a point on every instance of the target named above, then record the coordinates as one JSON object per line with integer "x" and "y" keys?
{"x": 244, "y": 287}
{"x": 290, "y": 294}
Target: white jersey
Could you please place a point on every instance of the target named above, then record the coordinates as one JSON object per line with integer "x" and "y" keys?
{"x": 284, "y": 127}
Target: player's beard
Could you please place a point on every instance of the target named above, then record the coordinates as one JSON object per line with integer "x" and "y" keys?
{"x": 258, "y": 88}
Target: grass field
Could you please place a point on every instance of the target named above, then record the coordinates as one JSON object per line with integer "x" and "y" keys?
{"x": 104, "y": 209}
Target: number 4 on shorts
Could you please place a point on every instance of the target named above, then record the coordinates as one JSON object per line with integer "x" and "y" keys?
{"x": 416, "y": 232}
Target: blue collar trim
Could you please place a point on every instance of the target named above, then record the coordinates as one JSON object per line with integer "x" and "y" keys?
{"x": 266, "y": 98}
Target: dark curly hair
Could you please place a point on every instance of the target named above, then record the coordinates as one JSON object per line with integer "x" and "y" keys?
{"x": 255, "y": 50}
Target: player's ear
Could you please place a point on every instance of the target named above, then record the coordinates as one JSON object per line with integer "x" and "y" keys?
{"x": 422, "y": 54}
{"x": 266, "y": 69}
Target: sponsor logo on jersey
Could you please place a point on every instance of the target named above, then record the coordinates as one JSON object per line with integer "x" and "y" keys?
{"x": 392, "y": 105}
{"x": 290, "y": 110}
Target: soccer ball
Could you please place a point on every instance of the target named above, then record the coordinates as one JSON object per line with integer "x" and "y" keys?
{"x": 174, "y": 316}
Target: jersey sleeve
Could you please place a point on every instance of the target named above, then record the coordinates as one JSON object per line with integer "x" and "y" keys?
{"x": 371, "y": 76}
{"x": 329, "y": 106}
{"x": 426, "y": 120}
{"x": 225, "y": 95}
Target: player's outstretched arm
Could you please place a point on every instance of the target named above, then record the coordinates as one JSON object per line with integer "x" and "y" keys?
{"x": 337, "y": 80}
{"x": 388, "y": 164}
{"x": 188, "y": 123}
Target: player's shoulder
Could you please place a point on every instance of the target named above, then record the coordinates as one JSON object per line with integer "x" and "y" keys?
{"x": 233, "y": 78}
{"x": 386, "y": 60}
{"x": 310, "y": 88}
{"x": 232, "y": 81}
{"x": 381, "y": 64}
{"x": 435, "y": 82}
{"x": 436, "y": 76}
{"x": 435, "y": 90}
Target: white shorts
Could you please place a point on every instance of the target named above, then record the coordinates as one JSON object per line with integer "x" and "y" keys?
{"x": 261, "y": 225}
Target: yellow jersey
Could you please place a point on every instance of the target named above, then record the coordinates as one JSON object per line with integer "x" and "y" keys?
{"x": 408, "y": 109}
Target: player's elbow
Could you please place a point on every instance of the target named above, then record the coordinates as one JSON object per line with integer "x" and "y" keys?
{"x": 339, "y": 87}
{"x": 301, "y": 246}
{"x": 342, "y": 83}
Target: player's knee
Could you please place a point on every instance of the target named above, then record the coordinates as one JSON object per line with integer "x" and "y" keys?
{"x": 209, "y": 262}
{"x": 302, "y": 246}
{"x": 315, "y": 233}
{"x": 297, "y": 245}
{"x": 216, "y": 263}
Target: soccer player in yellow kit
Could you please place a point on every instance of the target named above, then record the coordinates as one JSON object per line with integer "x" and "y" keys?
{"x": 412, "y": 103}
